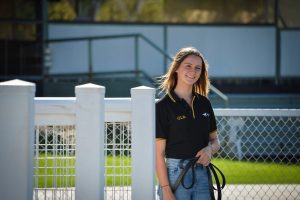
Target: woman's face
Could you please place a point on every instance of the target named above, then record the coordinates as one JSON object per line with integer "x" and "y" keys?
{"x": 189, "y": 70}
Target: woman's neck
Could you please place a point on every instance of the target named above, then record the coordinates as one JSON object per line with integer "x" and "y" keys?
{"x": 185, "y": 92}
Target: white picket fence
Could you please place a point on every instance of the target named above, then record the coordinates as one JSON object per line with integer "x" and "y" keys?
{"x": 20, "y": 111}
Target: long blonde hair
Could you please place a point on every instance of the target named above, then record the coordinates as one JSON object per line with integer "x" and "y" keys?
{"x": 168, "y": 81}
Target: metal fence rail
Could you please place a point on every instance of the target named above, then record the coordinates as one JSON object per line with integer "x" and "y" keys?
{"x": 117, "y": 149}
{"x": 265, "y": 143}
{"x": 54, "y": 162}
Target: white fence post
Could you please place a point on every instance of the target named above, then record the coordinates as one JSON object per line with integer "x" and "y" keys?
{"x": 143, "y": 143}
{"x": 89, "y": 142}
{"x": 16, "y": 139}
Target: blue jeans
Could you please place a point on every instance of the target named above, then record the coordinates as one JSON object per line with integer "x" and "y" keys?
{"x": 200, "y": 190}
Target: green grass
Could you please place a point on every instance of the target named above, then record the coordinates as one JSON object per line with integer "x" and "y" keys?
{"x": 125, "y": 172}
{"x": 236, "y": 172}
{"x": 50, "y": 176}
{"x": 243, "y": 172}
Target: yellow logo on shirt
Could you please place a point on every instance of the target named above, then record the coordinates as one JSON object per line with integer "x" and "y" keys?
{"x": 180, "y": 117}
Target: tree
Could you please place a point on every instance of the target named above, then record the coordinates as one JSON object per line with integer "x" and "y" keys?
{"x": 131, "y": 10}
{"x": 61, "y": 10}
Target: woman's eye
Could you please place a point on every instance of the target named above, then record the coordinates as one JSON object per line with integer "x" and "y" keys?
{"x": 198, "y": 68}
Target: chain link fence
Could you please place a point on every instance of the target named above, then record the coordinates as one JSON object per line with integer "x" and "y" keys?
{"x": 265, "y": 137}
{"x": 259, "y": 156}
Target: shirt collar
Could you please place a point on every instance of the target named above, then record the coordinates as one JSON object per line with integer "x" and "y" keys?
{"x": 173, "y": 96}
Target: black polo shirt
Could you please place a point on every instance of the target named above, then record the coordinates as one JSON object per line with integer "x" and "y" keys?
{"x": 185, "y": 128}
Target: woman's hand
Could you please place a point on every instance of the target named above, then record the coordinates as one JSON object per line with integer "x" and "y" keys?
{"x": 167, "y": 193}
{"x": 204, "y": 155}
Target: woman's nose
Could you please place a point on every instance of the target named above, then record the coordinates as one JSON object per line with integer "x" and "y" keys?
{"x": 194, "y": 70}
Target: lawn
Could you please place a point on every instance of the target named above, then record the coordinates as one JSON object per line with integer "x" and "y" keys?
{"x": 242, "y": 172}
{"x": 236, "y": 172}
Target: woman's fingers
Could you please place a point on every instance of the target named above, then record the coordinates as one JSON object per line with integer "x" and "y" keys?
{"x": 204, "y": 158}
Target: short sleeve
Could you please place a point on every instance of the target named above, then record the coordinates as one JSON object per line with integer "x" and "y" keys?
{"x": 213, "y": 124}
{"x": 161, "y": 121}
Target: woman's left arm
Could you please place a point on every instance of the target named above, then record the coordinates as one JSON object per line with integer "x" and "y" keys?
{"x": 214, "y": 142}
{"x": 206, "y": 153}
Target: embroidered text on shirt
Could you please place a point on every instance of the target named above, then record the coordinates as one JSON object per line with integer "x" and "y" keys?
{"x": 180, "y": 117}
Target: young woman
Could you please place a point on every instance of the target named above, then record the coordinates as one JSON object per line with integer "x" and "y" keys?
{"x": 185, "y": 127}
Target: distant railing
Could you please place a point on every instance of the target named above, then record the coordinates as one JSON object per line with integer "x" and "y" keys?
{"x": 84, "y": 77}
{"x": 90, "y": 39}
{"x": 137, "y": 71}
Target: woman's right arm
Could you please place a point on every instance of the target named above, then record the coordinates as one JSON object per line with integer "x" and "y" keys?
{"x": 161, "y": 170}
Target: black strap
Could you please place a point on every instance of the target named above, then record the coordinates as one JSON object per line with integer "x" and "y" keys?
{"x": 183, "y": 172}
{"x": 211, "y": 170}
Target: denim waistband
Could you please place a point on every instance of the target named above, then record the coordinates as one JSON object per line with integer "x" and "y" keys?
{"x": 180, "y": 162}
